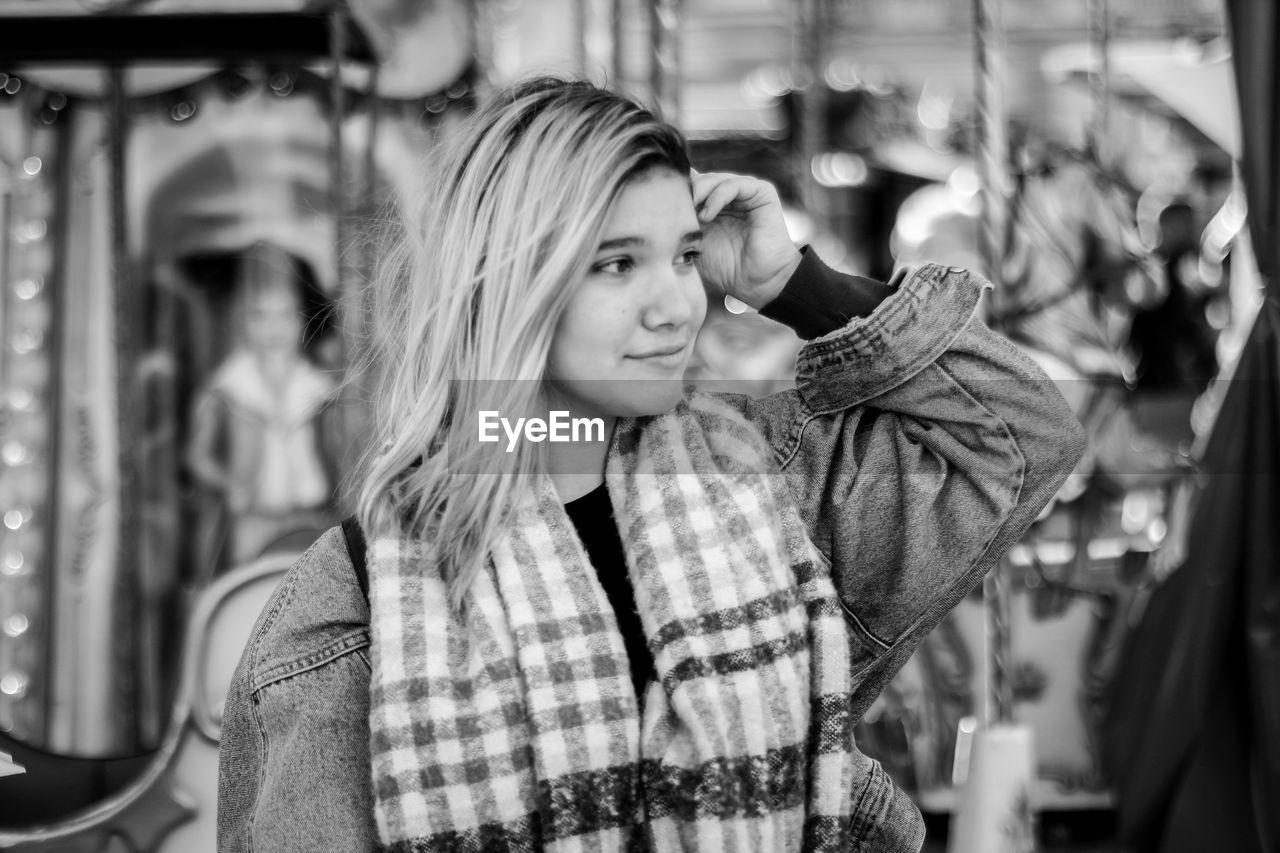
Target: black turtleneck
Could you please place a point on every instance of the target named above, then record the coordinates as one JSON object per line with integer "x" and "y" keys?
{"x": 592, "y": 515}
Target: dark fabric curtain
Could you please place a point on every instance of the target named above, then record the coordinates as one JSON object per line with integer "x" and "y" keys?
{"x": 1255, "y": 29}
{"x": 1193, "y": 732}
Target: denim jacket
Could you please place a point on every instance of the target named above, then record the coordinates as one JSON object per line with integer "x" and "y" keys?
{"x": 919, "y": 445}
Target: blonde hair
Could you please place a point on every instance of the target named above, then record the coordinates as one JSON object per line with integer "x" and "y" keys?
{"x": 473, "y": 291}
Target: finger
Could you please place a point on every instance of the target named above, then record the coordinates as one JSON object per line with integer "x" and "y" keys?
{"x": 735, "y": 191}
{"x": 721, "y": 195}
{"x": 704, "y": 183}
{"x": 742, "y": 194}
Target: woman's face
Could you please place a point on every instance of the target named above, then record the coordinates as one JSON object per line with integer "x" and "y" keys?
{"x": 622, "y": 344}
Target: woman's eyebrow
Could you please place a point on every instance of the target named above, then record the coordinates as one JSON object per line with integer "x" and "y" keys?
{"x": 620, "y": 243}
{"x": 629, "y": 242}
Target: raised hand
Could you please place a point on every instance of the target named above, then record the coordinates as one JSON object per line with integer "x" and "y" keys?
{"x": 746, "y": 251}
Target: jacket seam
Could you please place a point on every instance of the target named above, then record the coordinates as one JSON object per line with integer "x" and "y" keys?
{"x": 868, "y": 338}
{"x": 284, "y": 595}
{"x": 859, "y": 628}
{"x": 863, "y": 822}
{"x": 852, "y": 341}
{"x": 862, "y": 629}
{"x": 927, "y": 614}
{"x": 850, "y": 616}
{"x": 871, "y": 332}
{"x": 350, "y": 642}
{"x": 252, "y": 701}
{"x": 795, "y": 435}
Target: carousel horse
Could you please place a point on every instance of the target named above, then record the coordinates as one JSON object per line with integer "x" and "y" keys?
{"x": 1074, "y": 268}
{"x": 1070, "y": 243}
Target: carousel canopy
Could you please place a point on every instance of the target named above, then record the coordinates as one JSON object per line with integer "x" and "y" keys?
{"x": 1180, "y": 79}
{"x": 174, "y": 30}
{"x": 420, "y": 47}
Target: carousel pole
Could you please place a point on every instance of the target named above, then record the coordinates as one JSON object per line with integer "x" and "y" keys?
{"x": 578, "y": 13}
{"x": 809, "y": 86}
{"x": 1100, "y": 79}
{"x": 491, "y": 35}
{"x": 481, "y": 20}
{"x": 56, "y": 396}
{"x": 615, "y": 43}
{"x": 992, "y": 156}
{"x": 370, "y": 191}
{"x": 368, "y": 203}
{"x": 337, "y": 106}
{"x": 369, "y": 188}
{"x": 665, "y": 67}
{"x": 127, "y": 313}
{"x": 345, "y": 288}
{"x": 994, "y": 811}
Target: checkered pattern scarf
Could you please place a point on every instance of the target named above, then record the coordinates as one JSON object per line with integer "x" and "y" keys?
{"x": 518, "y": 728}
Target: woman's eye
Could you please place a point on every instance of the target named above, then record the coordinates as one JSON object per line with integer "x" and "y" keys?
{"x": 615, "y": 266}
{"x": 691, "y": 257}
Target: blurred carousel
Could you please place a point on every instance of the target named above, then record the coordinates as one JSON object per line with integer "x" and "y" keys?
{"x": 180, "y": 184}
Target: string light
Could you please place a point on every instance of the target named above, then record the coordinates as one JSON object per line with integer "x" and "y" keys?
{"x": 281, "y": 83}
{"x": 24, "y": 422}
{"x": 183, "y": 110}
{"x": 31, "y": 231}
{"x": 21, "y": 399}
{"x": 14, "y": 453}
{"x": 27, "y": 289}
{"x": 26, "y": 343}
{"x": 14, "y": 683}
{"x": 839, "y": 169}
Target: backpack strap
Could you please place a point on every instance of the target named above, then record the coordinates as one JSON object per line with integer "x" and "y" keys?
{"x": 356, "y": 548}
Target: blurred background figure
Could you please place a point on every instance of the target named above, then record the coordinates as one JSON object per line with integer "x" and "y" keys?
{"x": 256, "y": 447}
{"x": 1170, "y": 335}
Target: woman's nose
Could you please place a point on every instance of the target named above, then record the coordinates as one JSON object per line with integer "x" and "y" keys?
{"x": 672, "y": 299}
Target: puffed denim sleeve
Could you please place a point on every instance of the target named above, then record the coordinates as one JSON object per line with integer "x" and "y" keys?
{"x": 293, "y": 771}
{"x": 919, "y": 446}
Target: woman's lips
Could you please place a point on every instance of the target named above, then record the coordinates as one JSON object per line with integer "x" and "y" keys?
{"x": 666, "y": 357}
{"x": 661, "y": 351}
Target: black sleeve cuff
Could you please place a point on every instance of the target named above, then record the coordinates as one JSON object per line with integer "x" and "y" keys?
{"x": 817, "y": 300}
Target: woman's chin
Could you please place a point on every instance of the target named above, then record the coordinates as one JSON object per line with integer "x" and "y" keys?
{"x": 627, "y": 396}
{"x": 644, "y": 397}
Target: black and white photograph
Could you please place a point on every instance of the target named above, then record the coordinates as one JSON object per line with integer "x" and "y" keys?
{"x": 453, "y": 426}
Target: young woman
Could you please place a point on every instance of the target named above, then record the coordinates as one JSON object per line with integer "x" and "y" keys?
{"x": 660, "y": 636}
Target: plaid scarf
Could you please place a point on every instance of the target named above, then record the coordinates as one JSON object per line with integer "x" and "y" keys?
{"x": 518, "y": 727}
